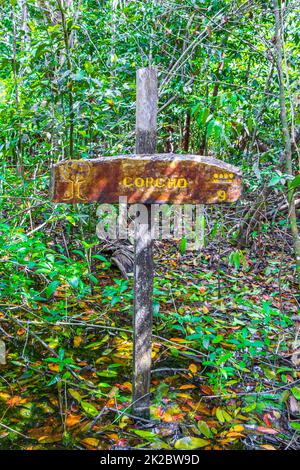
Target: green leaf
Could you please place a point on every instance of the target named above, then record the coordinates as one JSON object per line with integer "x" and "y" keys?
{"x": 74, "y": 281}
{"x": 226, "y": 416}
{"x": 155, "y": 307}
{"x": 97, "y": 344}
{"x": 249, "y": 408}
{"x": 295, "y": 182}
{"x": 218, "y": 339}
{"x": 51, "y": 288}
{"x": 210, "y": 128}
{"x": 107, "y": 373}
{"x": 149, "y": 436}
{"x": 183, "y": 245}
{"x": 203, "y": 427}
{"x": 55, "y": 379}
{"x": 204, "y": 116}
{"x": 295, "y": 426}
{"x": 220, "y": 416}
{"x": 249, "y": 124}
{"x": 90, "y": 409}
{"x": 296, "y": 392}
{"x": 75, "y": 394}
{"x": 275, "y": 180}
{"x": 284, "y": 396}
{"x": 100, "y": 257}
{"x": 189, "y": 443}
{"x": 61, "y": 354}
{"x": 71, "y": 220}
{"x": 218, "y": 128}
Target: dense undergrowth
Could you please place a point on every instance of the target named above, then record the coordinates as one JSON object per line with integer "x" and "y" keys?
{"x": 226, "y": 331}
{"x": 224, "y": 373}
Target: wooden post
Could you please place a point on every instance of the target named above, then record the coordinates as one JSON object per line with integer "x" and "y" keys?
{"x": 2, "y": 352}
{"x": 146, "y": 130}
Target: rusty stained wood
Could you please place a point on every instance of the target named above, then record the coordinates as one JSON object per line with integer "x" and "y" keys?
{"x": 149, "y": 179}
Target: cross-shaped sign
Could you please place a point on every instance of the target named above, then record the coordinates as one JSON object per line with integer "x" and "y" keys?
{"x": 146, "y": 178}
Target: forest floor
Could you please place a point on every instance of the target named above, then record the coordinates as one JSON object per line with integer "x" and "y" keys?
{"x": 224, "y": 359}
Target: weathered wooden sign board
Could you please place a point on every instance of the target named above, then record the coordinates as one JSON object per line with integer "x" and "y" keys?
{"x": 148, "y": 179}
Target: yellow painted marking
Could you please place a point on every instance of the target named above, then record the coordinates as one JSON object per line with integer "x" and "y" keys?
{"x": 150, "y": 182}
{"x": 139, "y": 182}
{"x": 159, "y": 183}
{"x": 222, "y": 195}
{"x": 222, "y": 177}
{"x": 75, "y": 174}
{"x": 127, "y": 182}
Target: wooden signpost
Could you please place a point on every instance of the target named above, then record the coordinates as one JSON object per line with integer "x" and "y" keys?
{"x": 147, "y": 178}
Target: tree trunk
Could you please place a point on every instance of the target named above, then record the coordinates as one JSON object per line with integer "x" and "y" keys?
{"x": 186, "y": 135}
